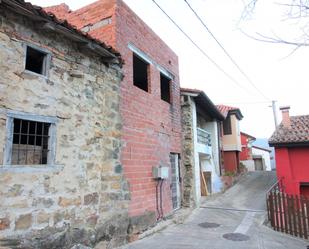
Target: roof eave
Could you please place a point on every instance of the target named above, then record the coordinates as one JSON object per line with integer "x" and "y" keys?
{"x": 288, "y": 144}
{"x": 204, "y": 101}
{"x": 70, "y": 34}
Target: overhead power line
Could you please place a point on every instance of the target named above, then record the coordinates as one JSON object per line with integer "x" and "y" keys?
{"x": 226, "y": 52}
{"x": 201, "y": 50}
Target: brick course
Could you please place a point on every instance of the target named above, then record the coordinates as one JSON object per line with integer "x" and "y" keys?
{"x": 151, "y": 127}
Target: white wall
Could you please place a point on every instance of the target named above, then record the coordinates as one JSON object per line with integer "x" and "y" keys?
{"x": 265, "y": 155}
{"x": 207, "y": 157}
{"x": 197, "y": 182}
{"x": 249, "y": 164}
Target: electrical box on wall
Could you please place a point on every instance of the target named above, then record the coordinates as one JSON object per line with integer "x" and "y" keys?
{"x": 160, "y": 172}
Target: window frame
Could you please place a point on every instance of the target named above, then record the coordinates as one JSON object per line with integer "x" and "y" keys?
{"x": 147, "y": 64}
{"x": 46, "y": 63}
{"x": 229, "y": 132}
{"x": 170, "y": 87}
{"x": 11, "y": 115}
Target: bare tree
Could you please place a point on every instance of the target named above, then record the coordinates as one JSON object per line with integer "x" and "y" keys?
{"x": 295, "y": 9}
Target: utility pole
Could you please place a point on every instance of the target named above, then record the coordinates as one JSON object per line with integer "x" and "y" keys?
{"x": 275, "y": 113}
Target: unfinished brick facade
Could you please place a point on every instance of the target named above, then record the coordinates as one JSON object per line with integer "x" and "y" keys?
{"x": 151, "y": 126}
{"x": 81, "y": 196}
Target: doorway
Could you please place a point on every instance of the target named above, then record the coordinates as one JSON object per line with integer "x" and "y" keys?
{"x": 175, "y": 180}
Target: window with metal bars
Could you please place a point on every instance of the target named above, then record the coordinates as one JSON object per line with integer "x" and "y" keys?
{"x": 30, "y": 142}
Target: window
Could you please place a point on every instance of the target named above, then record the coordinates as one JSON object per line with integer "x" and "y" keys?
{"x": 165, "y": 88}
{"x": 36, "y": 61}
{"x": 30, "y": 140}
{"x": 140, "y": 73}
{"x": 227, "y": 128}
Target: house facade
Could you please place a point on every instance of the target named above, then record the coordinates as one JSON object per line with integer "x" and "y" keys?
{"x": 231, "y": 140}
{"x": 245, "y": 155}
{"x": 291, "y": 142}
{"x": 61, "y": 177}
{"x": 201, "y": 145}
{"x": 261, "y": 158}
{"x": 149, "y": 106}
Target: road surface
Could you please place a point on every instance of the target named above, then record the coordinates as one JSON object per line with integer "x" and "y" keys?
{"x": 232, "y": 220}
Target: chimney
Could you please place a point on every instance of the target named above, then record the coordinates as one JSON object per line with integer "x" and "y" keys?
{"x": 286, "y": 121}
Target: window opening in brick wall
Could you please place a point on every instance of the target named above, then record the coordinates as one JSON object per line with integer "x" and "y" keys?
{"x": 227, "y": 126}
{"x": 140, "y": 73}
{"x": 165, "y": 88}
{"x": 36, "y": 61}
{"x": 30, "y": 142}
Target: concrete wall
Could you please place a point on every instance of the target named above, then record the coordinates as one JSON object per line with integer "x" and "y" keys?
{"x": 232, "y": 142}
{"x": 249, "y": 164}
{"x": 265, "y": 155}
{"x": 83, "y": 196}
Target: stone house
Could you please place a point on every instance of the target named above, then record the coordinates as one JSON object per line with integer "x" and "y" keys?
{"x": 231, "y": 139}
{"x": 61, "y": 179}
{"x": 201, "y": 144}
{"x": 149, "y": 106}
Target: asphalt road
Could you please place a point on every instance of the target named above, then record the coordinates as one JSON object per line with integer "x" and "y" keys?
{"x": 232, "y": 220}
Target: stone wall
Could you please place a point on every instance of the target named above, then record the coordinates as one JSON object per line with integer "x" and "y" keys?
{"x": 152, "y": 127}
{"x": 188, "y": 152}
{"x": 82, "y": 198}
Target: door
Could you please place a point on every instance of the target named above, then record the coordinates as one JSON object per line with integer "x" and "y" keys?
{"x": 175, "y": 180}
{"x": 258, "y": 163}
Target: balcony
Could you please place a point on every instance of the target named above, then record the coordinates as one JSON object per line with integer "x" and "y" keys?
{"x": 203, "y": 141}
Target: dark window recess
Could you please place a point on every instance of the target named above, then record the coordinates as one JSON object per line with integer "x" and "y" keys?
{"x": 140, "y": 73}
{"x": 36, "y": 61}
{"x": 165, "y": 88}
{"x": 227, "y": 127}
{"x": 30, "y": 142}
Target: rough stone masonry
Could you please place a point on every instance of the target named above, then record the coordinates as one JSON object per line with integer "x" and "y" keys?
{"x": 82, "y": 197}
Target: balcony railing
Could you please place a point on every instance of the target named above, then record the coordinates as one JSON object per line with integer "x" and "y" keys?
{"x": 203, "y": 137}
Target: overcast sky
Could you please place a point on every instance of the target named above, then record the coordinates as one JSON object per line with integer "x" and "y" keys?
{"x": 279, "y": 76}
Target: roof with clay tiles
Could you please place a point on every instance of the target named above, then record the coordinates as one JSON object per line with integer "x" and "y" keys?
{"x": 225, "y": 110}
{"x": 296, "y": 133}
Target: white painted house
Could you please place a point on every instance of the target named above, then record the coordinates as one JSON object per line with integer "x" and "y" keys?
{"x": 261, "y": 158}
{"x": 202, "y": 162}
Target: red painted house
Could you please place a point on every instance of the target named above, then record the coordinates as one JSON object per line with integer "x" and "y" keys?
{"x": 150, "y": 104}
{"x": 291, "y": 142}
{"x": 246, "y": 146}
{"x": 230, "y": 135}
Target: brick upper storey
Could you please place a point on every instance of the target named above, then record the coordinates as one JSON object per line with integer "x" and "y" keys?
{"x": 151, "y": 129}
{"x": 298, "y": 132}
{"x": 42, "y": 14}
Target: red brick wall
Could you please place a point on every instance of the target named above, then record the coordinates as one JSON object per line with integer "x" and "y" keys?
{"x": 151, "y": 127}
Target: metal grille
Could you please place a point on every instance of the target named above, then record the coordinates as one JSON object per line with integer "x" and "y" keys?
{"x": 30, "y": 142}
